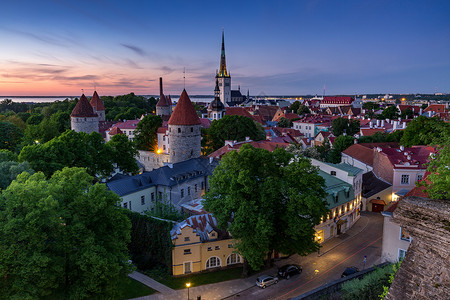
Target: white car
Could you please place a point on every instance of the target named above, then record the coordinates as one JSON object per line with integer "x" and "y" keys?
{"x": 266, "y": 280}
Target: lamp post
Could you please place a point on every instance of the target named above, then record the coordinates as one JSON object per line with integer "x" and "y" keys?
{"x": 188, "y": 285}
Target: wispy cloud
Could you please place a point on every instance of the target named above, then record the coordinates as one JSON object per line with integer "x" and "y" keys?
{"x": 135, "y": 49}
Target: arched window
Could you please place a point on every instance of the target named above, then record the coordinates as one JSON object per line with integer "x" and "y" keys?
{"x": 213, "y": 262}
{"x": 233, "y": 258}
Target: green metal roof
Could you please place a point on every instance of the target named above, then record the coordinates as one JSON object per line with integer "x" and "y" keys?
{"x": 351, "y": 170}
{"x": 336, "y": 187}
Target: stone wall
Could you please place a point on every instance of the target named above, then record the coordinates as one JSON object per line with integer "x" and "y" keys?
{"x": 425, "y": 271}
{"x": 82, "y": 124}
{"x": 184, "y": 142}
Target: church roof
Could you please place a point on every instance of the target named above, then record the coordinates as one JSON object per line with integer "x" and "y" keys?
{"x": 83, "y": 109}
{"x": 97, "y": 102}
{"x": 184, "y": 112}
{"x": 223, "y": 65}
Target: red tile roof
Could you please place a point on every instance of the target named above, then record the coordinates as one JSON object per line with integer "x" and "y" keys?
{"x": 96, "y": 102}
{"x": 364, "y": 151}
{"x": 436, "y": 108}
{"x": 83, "y": 109}
{"x": 184, "y": 112}
{"x": 206, "y": 123}
{"x": 163, "y": 101}
{"x": 162, "y": 130}
{"x": 370, "y": 131}
{"x": 416, "y": 156}
{"x": 128, "y": 124}
{"x": 267, "y": 145}
{"x": 336, "y": 100}
{"x": 414, "y": 108}
{"x": 241, "y": 111}
{"x": 115, "y": 131}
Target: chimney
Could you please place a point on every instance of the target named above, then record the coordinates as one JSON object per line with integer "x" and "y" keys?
{"x": 371, "y": 124}
{"x": 247, "y": 138}
{"x": 402, "y": 148}
{"x": 395, "y": 125}
{"x": 378, "y": 123}
{"x": 388, "y": 120}
{"x": 355, "y": 141}
{"x": 211, "y": 160}
{"x": 399, "y": 119}
{"x": 421, "y": 111}
{"x": 382, "y": 123}
{"x": 160, "y": 86}
{"x": 429, "y": 113}
{"x": 409, "y": 157}
{"x": 404, "y": 125}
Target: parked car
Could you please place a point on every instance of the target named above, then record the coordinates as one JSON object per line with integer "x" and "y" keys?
{"x": 349, "y": 271}
{"x": 266, "y": 280}
{"x": 287, "y": 271}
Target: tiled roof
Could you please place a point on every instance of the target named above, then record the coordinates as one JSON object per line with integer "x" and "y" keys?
{"x": 314, "y": 119}
{"x": 205, "y": 123}
{"x": 162, "y": 130}
{"x": 83, "y": 109}
{"x": 371, "y": 185}
{"x": 184, "y": 112}
{"x": 351, "y": 170}
{"x": 163, "y": 101}
{"x": 410, "y": 157}
{"x": 364, "y": 152}
{"x": 241, "y": 111}
{"x": 96, "y": 102}
{"x": 336, "y": 100}
{"x": 333, "y": 186}
{"x": 115, "y": 131}
{"x": 128, "y": 124}
{"x": 202, "y": 225}
{"x": 267, "y": 145}
{"x": 436, "y": 108}
{"x": 371, "y": 131}
{"x": 414, "y": 108}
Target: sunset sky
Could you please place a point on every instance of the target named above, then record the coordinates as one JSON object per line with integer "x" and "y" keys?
{"x": 272, "y": 47}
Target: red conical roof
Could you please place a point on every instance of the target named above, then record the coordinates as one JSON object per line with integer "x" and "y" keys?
{"x": 97, "y": 102}
{"x": 83, "y": 109}
{"x": 184, "y": 112}
{"x": 163, "y": 101}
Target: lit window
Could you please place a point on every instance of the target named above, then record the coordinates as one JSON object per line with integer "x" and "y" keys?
{"x": 404, "y": 235}
{"x": 405, "y": 179}
{"x": 213, "y": 262}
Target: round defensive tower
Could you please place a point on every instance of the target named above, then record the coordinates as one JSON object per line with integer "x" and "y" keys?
{"x": 184, "y": 131}
{"x": 83, "y": 118}
{"x": 97, "y": 105}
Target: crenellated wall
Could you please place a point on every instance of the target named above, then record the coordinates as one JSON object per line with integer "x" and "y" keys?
{"x": 425, "y": 271}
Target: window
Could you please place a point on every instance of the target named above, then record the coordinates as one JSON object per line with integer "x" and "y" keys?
{"x": 182, "y": 193}
{"x": 233, "y": 258}
{"x": 405, "y": 179}
{"x": 333, "y": 173}
{"x": 195, "y": 188}
{"x": 189, "y": 190}
{"x": 230, "y": 245}
{"x": 187, "y": 239}
{"x": 401, "y": 254}
{"x": 142, "y": 200}
{"x": 419, "y": 177}
{"x": 217, "y": 248}
{"x": 187, "y": 251}
{"x": 213, "y": 262}
{"x": 187, "y": 267}
{"x": 129, "y": 202}
{"x": 164, "y": 138}
{"x": 125, "y": 205}
{"x": 213, "y": 234}
{"x": 160, "y": 195}
{"x": 209, "y": 249}
{"x": 203, "y": 186}
{"x": 404, "y": 235}
{"x": 179, "y": 130}
{"x": 153, "y": 197}
{"x": 164, "y": 147}
{"x": 192, "y": 129}
{"x": 336, "y": 198}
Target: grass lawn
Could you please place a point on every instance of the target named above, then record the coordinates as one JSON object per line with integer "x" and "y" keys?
{"x": 132, "y": 289}
{"x": 196, "y": 279}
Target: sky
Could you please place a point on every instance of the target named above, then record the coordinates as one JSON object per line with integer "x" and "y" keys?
{"x": 64, "y": 47}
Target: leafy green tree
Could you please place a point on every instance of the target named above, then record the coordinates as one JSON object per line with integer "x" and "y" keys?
{"x": 61, "y": 234}
{"x": 303, "y": 109}
{"x": 145, "y": 135}
{"x": 284, "y": 123}
{"x": 425, "y": 131}
{"x": 123, "y": 153}
{"x": 341, "y": 125}
{"x": 267, "y": 201}
{"x": 370, "y": 105}
{"x": 35, "y": 119}
{"x": 71, "y": 149}
{"x": 6, "y": 155}
{"x": 341, "y": 143}
{"x": 233, "y": 128}
{"x": 10, "y": 135}
{"x": 390, "y": 112}
{"x": 61, "y": 120}
{"x": 407, "y": 114}
{"x": 294, "y": 106}
{"x": 9, "y": 171}
{"x": 41, "y": 133}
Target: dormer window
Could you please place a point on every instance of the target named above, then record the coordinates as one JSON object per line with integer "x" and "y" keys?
{"x": 333, "y": 173}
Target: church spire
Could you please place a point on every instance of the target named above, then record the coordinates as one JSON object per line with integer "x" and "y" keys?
{"x": 223, "y": 65}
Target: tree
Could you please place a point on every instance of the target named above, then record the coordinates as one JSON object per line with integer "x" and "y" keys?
{"x": 294, "y": 106}
{"x": 425, "y": 131}
{"x": 341, "y": 125}
{"x": 123, "y": 153}
{"x": 284, "y": 123}
{"x": 370, "y": 105}
{"x": 340, "y": 144}
{"x": 9, "y": 171}
{"x": 267, "y": 201}
{"x": 145, "y": 135}
{"x": 61, "y": 234}
{"x": 303, "y": 109}
{"x": 6, "y": 155}
{"x": 390, "y": 112}
{"x": 10, "y": 135}
{"x": 407, "y": 114}
{"x": 233, "y": 128}
{"x": 35, "y": 119}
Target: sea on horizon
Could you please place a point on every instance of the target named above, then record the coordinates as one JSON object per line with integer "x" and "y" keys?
{"x": 47, "y": 99}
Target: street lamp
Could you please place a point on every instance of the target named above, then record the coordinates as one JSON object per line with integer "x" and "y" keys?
{"x": 188, "y": 284}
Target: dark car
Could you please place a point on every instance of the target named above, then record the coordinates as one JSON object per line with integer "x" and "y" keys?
{"x": 266, "y": 280}
{"x": 287, "y": 271}
{"x": 349, "y": 271}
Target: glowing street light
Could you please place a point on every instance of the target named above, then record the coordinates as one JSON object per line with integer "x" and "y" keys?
{"x": 188, "y": 284}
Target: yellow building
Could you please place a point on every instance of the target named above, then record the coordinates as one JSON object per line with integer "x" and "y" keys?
{"x": 199, "y": 246}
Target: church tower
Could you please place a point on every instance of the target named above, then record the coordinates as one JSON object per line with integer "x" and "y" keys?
{"x": 216, "y": 109}
{"x": 97, "y": 105}
{"x": 224, "y": 77}
{"x": 83, "y": 118}
{"x": 164, "y": 105}
{"x": 184, "y": 131}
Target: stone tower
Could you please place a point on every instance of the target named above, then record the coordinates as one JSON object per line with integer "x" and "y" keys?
{"x": 224, "y": 77}
{"x": 216, "y": 109}
{"x": 164, "y": 105}
{"x": 184, "y": 131}
{"x": 83, "y": 118}
{"x": 97, "y": 105}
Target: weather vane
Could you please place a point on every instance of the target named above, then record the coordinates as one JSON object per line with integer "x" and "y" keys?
{"x": 184, "y": 78}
